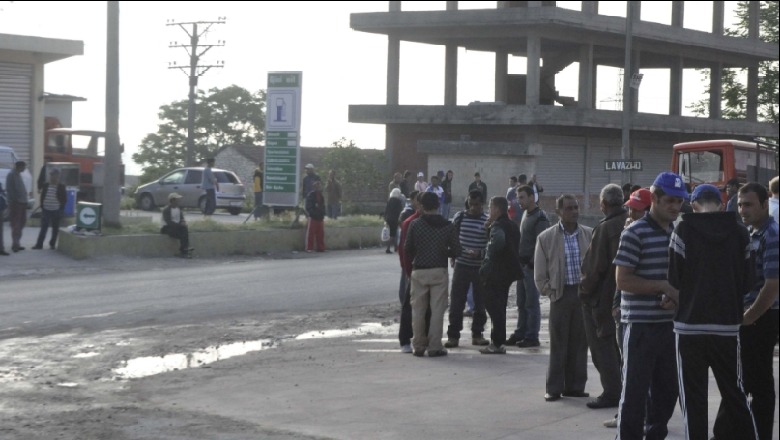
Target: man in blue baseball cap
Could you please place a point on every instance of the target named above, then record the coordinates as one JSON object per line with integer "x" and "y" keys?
{"x": 647, "y": 310}
{"x": 709, "y": 313}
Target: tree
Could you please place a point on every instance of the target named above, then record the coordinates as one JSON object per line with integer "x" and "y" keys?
{"x": 226, "y": 116}
{"x": 356, "y": 169}
{"x": 734, "y": 91}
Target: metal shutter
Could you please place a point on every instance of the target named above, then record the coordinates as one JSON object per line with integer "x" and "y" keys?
{"x": 560, "y": 169}
{"x": 16, "y": 108}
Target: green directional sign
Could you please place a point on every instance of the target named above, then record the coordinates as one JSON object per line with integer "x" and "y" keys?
{"x": 282, "y": 144}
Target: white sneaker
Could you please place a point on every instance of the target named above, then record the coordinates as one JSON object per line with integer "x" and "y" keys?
{"x": 611, "y": 423}
{"x": 406, "y": 348}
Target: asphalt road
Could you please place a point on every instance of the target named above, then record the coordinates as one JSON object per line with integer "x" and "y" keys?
{"x": 196, "y": 292}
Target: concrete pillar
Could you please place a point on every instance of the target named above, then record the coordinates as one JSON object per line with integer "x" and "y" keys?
{"x": 393, "y": 69}
{"x": 452, "y": 6}
{"x": 451, "y": 75}
{"x": 394, "y": 6}
{"x": 502, "y": 70}
{"x": 752, "y": 79}
{"x": 716, "y": 71}
{"x": 533, "y": 74}
{"x": 589, "y": 7}
{"x": 676, "y": 87}
{"x": 717, "y": 17}
{"x": 635, "y": 63}
{"x": 678, "y": 13}
{"x": 585, "y": 93}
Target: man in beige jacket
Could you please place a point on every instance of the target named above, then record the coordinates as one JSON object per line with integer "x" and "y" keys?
{"x": 558, "y": 256}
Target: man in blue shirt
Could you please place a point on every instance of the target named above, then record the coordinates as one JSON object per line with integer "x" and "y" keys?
{"x": 211, "y": 186}
{"x": 758, "y": 333}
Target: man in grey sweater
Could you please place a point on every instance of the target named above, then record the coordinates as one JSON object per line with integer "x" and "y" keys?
{"x": 17, "y": 204}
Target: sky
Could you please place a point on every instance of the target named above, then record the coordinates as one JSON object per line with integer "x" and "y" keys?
{"x": 340, "y": 66}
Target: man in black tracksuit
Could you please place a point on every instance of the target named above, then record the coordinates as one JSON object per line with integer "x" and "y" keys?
{"x": 710, "y": 266}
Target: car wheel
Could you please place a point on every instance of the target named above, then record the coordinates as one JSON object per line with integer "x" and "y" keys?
{"x": 202, "y": 204}
{"x": 234, "y": 211}
{"x": 147, "y": 202}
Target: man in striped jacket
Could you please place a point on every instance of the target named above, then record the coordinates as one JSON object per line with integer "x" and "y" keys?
{"x": 649, "y": 358}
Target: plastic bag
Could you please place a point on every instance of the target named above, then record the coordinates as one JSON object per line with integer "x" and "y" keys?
{"x": 385, "y": 234}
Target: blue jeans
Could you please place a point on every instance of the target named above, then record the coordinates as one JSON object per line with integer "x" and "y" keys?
{"x": 445, "y": 210}
{"x": 334, "y": 211}
{"x": 529, "y": 313}
{"x": 49, "y": 218}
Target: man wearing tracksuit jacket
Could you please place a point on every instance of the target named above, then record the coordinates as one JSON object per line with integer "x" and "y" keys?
{"x": 710, "y": 265}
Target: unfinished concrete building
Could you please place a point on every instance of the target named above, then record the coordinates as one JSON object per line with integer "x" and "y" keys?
{"x": 528, "y": 127}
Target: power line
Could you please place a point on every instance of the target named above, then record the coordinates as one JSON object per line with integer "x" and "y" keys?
{"x": 194, "y": 70}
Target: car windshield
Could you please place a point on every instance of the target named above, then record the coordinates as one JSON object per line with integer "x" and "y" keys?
{"x": 225, "y": 177}
{"x": 6, "y": 159}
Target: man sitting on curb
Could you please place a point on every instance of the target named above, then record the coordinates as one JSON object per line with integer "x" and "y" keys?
{"x": 175, "y": 226}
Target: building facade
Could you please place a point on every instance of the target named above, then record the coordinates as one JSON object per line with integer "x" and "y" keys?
{"x": 528, "y": 127}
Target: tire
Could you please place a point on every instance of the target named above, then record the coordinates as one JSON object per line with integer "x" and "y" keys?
{"x": 234, "y": 211}
{"x": 146, "y": 202}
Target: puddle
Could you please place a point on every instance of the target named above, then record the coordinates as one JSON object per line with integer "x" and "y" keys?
{"x": 369, "y": 328}
{"x": 86, "y": 355}
{"x": 151, "y": 365}
{"x": 68, "y": 385}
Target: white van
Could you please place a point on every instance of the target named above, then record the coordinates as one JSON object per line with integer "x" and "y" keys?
{"x": 8, "y": 159}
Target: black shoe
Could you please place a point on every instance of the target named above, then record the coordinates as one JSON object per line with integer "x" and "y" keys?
{"x": 37, "y": 246}
{"x": 51, "y": 246}
{"x": 527, "y": 343}
{"x": 437, "y": 353}
{"x": 512, "y": 340}
{"x": 552, "y": 397}
{"x": 4, "y": 253}
{"x": 451, "y": 343}
{"x": 17, "y": 249}
{"x": 419, "y": 353}
{"x": 602, "y": 402}
{"x": 576, "y": 394}
{"x": 388, "y": 251}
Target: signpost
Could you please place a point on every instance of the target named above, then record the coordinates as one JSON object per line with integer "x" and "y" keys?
{"x": 282, "y": 139}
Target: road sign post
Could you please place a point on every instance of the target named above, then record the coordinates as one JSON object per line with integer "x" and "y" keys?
{"x": 282, "y": 139}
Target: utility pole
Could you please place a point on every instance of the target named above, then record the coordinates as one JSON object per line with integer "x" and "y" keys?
{"x": 195, "y": 50}
{"x": 113, "y": 159}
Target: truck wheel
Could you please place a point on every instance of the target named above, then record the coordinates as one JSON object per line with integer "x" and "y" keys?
{"x": 146, "y": 202}
{"x": 234, "y": 211}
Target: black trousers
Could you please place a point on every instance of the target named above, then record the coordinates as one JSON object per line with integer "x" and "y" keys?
{"x": 405, "y": 332}
{"x": 180, "y": 232}
{"x": 496, "y": 297}
{"x": 649, "y": 364}
{"x": 696, "y": 354}
{"x": 463, "y": 277}
{"x": 49, "y": 218}
{"x": 605, "y": 355}
{"x": 757, "y": 345}
{"x": 567, "y": 370}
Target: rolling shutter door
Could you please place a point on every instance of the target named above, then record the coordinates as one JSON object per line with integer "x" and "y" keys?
{"x": 15, "y": 108}
{"x": 560, "y": 169}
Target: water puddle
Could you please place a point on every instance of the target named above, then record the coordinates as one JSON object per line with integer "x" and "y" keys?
{"x": 151, "y": 365}
{"x": 86, "y": 355}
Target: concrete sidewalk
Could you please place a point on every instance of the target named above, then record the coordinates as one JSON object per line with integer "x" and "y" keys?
{"x": 361, "y": 387}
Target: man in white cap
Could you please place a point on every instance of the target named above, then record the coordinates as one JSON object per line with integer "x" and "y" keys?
{"x": 308, "y": 180}
{"x": 421, "y": 185}
{"x": 175, "y": 226}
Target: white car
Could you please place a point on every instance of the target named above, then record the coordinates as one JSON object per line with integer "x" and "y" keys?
{"x": 187, "y": 182}
{"x": 8, "y": 159}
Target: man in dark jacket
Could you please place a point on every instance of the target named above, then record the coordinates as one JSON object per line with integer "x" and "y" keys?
{"x": 431, "y": 240}
{"x": 16, "y": 193}
{"x": 175, "y": 226}
{"x": 500, "y": 268}
{"x": 315, "y": 209}
{"x": 710, "y": 266}
{"x": 53, "y": 199}
{"x": 597, "y": 288}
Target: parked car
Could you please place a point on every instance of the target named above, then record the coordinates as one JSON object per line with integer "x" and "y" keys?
{"x": 187, "y": 182}
{"x": 8, "y": 159}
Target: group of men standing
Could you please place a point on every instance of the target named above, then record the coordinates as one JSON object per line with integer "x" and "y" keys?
{"x": 701, "y": 295}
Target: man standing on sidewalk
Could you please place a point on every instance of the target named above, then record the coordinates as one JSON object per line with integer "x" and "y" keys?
{"x": 17, "y": 204}
{"x": 758, "y": 333}
{"x": 430, "y": 242}
{"x": 529, "y": 314}
{"x": 500, "y": 268}
{"x": 211, "y": 186}
{"x": 472, "y": 238}
{"x": 710, "y": 265}
{"x": 649, "y": 358}
{"x": 597, "y": 289}
{"x": 558, "y": 257}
